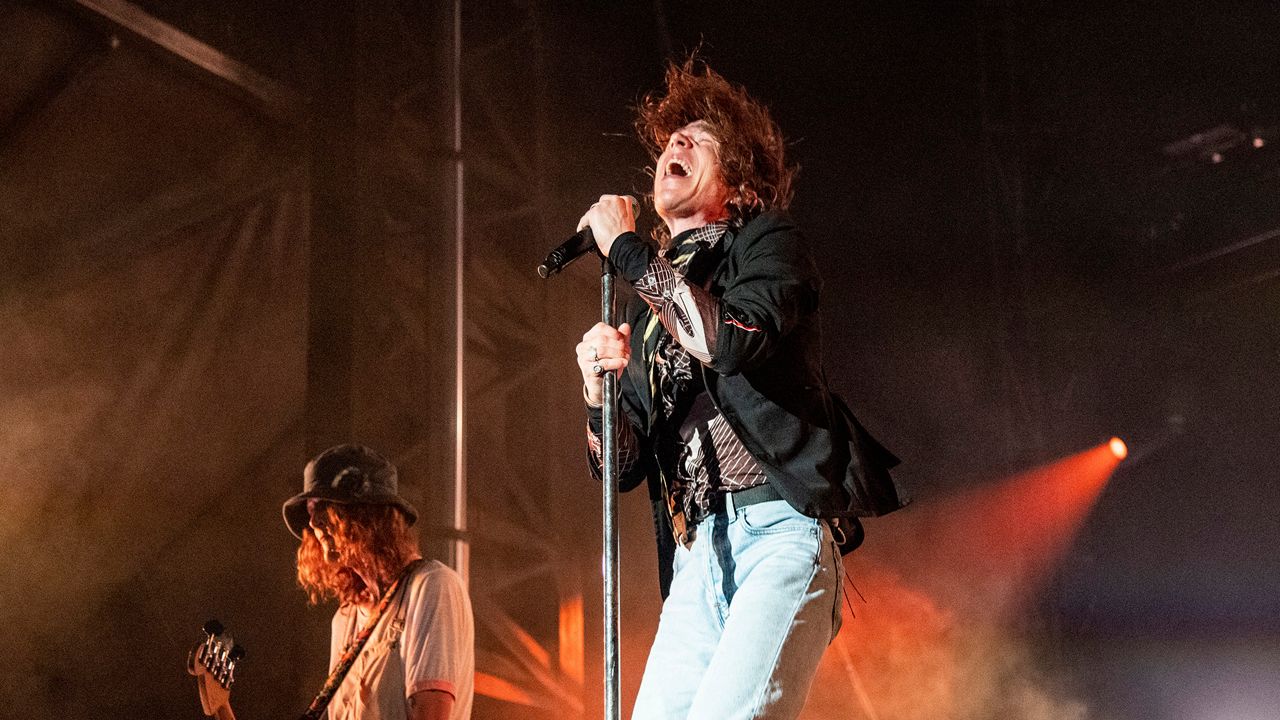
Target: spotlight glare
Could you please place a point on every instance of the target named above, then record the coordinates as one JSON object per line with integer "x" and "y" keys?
{"x": 1118, "y": 448}
{"x": 1259, "y": 142}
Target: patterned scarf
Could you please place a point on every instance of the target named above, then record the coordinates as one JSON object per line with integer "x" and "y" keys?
{"x": 670, "y": 366}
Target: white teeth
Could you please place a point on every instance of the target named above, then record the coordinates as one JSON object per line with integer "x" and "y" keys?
{"x": 684, "y": 168}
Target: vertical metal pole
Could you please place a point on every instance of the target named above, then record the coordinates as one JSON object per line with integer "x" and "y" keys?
{"x": 612, "y": 670}
{"x": 461, "y": 548}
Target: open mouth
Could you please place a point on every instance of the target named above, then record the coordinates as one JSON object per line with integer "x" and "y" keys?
{"x": 677, "y": 168}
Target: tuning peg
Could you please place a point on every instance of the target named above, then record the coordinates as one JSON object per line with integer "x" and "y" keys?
{"x": 208, "y": 651}
{"x": 213, "y": 627}
{"x": 237, "y": 652}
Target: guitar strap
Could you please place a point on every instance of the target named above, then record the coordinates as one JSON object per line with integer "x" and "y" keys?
{"x": 339, "y": 672}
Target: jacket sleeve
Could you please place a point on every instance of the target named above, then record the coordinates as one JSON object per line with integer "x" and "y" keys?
{"x": 634, "y": 447}
{"x": 630, "y": 469}
{"x": 772, "y": 288}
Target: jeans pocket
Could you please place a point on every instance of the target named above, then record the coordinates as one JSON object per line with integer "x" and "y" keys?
{"x": 774, "y": 517}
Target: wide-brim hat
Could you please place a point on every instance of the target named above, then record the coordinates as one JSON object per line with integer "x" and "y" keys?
{"x": 348, "y": 474}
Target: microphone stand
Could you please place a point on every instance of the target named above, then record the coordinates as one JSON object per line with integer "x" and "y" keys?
{"x": 612, "y": 670}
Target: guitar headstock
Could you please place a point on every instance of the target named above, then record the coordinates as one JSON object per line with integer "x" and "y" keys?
{"x": 213, "y": 663}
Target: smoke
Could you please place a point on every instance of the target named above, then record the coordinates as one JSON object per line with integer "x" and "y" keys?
{"x": 132, "y": 412}
{"x": 936, "y": 630}
{"x": 908, "y": 656}
{"x": 46, "y": 406}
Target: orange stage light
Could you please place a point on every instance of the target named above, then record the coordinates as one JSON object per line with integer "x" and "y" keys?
{"x": 943, "y": 581}
{"x": 1004, "y": 537}
{"x": 1027, "y": 523}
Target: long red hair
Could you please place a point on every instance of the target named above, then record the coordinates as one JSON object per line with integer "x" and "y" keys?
{"x": 376, "y": 540}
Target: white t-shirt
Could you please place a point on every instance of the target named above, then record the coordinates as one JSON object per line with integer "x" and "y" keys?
{"x": 424, "y": 641}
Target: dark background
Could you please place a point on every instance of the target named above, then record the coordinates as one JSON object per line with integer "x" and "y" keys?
{"x": 1039, "y": 225}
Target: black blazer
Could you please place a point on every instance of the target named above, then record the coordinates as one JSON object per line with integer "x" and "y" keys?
{"x": 766, "y": 378}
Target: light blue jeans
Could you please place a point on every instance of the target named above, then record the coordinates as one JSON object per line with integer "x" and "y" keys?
{"x": 754, "y": 603}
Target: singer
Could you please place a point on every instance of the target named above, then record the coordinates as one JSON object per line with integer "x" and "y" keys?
{"x": 756, "y": 471}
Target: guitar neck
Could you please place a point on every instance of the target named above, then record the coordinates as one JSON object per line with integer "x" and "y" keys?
{"x": 224, "y": 713}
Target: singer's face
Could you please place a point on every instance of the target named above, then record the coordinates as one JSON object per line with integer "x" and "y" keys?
{"x": 688, "y": 189}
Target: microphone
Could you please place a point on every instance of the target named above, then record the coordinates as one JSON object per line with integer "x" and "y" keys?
{"x": 575, "y": 247}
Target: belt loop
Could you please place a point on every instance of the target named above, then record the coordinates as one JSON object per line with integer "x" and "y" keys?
{"x": 730, "y": 511}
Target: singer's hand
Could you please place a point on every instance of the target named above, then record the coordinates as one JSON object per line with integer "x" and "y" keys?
{"x": 611, "y": 216}
{"x": 602, "y": 349}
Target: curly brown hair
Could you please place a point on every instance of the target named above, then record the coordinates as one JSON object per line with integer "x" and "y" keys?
{"x": 752, "y": 155}
{"x": 376, "y": 539}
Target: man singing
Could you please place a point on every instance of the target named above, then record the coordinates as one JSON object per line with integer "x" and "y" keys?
{"x": 756, "y": 471}
{"x": 402, "y": 643}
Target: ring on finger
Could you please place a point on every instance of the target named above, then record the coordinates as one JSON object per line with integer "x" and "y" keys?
{"x": 597, "y": 370}
{"x": 595, "y": 354}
